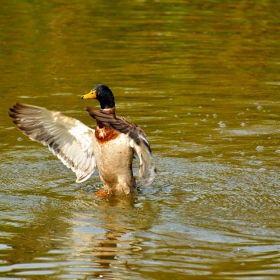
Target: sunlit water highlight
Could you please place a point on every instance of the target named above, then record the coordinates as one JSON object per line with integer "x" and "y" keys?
{"x": 202, "y": 80}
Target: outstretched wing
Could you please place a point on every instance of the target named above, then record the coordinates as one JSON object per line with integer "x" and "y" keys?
{"x": 139, "y": 142}
{"x": 67, "y": 138}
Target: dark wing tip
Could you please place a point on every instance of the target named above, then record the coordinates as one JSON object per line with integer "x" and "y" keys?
{"x": 13, "y": 110}
{"x": 12, "y": 114}
{"x": 91, "y": 112}
{"x": 17, "y": 107}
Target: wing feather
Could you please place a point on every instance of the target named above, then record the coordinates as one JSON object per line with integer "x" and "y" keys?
{"x": 138, "y": 142}
{"x": 67, "y": 138}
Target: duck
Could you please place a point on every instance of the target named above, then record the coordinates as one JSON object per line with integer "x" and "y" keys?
{"x": 111, "y": 146}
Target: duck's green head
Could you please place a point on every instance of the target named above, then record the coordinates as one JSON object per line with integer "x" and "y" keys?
{"x": 103, "y": 94}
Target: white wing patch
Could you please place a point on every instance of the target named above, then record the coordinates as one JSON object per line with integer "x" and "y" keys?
{"x": 69, "y": 139}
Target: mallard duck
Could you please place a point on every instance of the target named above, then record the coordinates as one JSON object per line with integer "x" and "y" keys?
{"x": 110, "y": 147}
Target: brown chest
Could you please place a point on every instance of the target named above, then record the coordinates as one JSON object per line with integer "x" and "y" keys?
{"x": 105, "y": 133}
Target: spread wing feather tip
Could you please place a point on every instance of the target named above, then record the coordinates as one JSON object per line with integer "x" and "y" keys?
{"x": 67, "y": 138}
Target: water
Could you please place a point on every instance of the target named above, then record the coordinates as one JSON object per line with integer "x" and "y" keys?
{"x": 202, "y": 80}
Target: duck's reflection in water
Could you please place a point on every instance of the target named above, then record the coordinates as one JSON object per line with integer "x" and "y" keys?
{"x": 80, "y": 237}
{"x": 107, "y": 235}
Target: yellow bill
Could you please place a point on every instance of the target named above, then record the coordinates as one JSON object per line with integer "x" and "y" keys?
{"x": 90, "y": 95}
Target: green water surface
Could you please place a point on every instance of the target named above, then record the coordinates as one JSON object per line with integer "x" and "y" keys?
{"x": 201, "y": 78}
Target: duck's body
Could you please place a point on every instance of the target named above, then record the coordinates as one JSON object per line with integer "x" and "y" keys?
{"x": 117, "y": 178}
{"x": 111, "y": 146}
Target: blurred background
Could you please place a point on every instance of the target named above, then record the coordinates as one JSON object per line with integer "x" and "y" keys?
{"x": 201, "y": 78}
